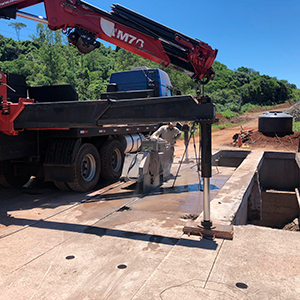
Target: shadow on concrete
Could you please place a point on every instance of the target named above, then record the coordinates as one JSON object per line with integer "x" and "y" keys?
{"x": 202, "y": 243}
{"x": 26, "y": 199}
{"x": 45, "y": 196}
{"x": 101, "y": 231}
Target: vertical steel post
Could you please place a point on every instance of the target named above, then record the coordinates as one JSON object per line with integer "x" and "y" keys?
{"x": 186, "y": 129}
{"x": 186, "y": 138}
{"x": 206, "y": 172}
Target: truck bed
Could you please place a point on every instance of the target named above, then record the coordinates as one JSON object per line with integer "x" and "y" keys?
{"x": 77, "y": 114}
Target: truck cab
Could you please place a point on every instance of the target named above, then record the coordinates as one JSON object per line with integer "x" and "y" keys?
{"x": 140, "y": 82}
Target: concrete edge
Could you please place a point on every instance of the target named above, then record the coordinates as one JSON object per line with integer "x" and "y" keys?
{"x": 229, "y": 206}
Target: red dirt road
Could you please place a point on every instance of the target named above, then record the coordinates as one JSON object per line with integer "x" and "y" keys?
{"x": 222, "y": 139}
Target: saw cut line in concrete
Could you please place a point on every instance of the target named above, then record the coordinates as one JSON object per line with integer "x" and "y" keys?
{"x": 64, "y": 241}
{"x": 38, "y": 221}
{"x": 59, "y": 212}
{"x": 197, "y": 291}
{"x": 213, "y": 264}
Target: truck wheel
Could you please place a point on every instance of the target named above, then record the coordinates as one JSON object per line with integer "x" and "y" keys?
{"x": 86, "y": 169}
{"x": 63, "y": 186}
{"x": 7, "y": 177}
{"x": 112, "y": 158}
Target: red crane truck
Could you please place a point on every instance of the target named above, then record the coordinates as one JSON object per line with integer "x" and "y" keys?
{"x": 46, "y": 130}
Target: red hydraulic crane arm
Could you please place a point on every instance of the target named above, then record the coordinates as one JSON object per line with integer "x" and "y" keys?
{"x": 84, "y": 23}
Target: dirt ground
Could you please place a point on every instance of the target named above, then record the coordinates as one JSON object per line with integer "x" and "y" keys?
{"x": 224, "y": 138}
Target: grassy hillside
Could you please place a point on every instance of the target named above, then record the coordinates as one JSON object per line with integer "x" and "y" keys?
{"x": 48, "y": 59}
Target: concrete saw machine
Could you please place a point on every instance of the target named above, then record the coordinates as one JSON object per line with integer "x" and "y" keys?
{"x": 149, "y": 167}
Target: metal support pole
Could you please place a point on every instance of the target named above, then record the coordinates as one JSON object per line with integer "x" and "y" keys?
{"x": 191, "y": 134}
{"x": 186, "y": 129}
{"x": 206, "y": 199}
{"x": 186, "y": 142}
{"x": 206, "y": 171}
{"x": 207, "y": 229}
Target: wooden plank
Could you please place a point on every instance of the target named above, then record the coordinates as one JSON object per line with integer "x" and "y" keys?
{"x": 218, "y": 230}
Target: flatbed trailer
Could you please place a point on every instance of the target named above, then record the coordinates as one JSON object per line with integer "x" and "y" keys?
{"x": 51, "y": 154}
{"x": 68, "y": 142}
{"x": 74, "y": 143}
{"x": 28, "y": 142}
{"x": 42, "y": 139}
{"x": 44, "y": 126}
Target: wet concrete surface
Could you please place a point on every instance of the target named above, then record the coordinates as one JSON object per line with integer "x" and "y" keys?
{"x": 114, "y": 243}
{"x": 104, "y": 248}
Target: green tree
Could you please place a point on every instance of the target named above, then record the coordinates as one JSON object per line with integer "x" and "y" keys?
{"x": 48, "y": 59}
{"x": 17, "y": 26}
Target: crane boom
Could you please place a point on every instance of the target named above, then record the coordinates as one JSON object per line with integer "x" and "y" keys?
{"x": 84, "y": 23}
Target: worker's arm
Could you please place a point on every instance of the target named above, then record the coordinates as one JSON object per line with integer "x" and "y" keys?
{"x": 156, "y": 134}
{"x": 178, "y": 134}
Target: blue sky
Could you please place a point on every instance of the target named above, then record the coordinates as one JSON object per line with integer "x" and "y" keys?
{"x": 263, "y": 35}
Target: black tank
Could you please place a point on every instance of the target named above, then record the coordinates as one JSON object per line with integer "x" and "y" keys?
{"x": 275, "y": 121}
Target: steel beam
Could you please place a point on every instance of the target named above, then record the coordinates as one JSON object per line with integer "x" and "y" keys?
{"x": 77, "y": 114}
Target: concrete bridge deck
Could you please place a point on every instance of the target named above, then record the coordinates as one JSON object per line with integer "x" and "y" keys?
{"x": 117, "y": 244}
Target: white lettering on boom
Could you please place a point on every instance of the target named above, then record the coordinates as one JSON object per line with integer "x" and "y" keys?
{"x": 109, "y": 29}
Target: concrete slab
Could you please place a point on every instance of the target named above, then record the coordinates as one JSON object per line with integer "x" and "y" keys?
{"x": 92, "y": 251}
{"x": 95, "y": 272}
{"x": 260, "y": 263}
{"x": 43, "y": 235}
{"x": 23, "y": 207}
{"x": 188, "y": 264}
{"x": 266, "y": 260}
{"x": 99, "y": 239}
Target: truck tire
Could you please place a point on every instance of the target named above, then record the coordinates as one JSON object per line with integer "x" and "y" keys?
{"x": 63, "y": 186}
{"x": 112, "y": 159}
{"x": 86, "y": 169}
{"x": 7, "y": 177}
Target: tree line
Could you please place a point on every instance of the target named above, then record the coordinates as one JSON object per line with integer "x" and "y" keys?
{"x": 47, "y": 59}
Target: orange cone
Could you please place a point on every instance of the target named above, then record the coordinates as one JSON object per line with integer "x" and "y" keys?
{"x": 240, "y": 143}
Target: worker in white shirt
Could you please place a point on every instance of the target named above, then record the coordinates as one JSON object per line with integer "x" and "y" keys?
{"x": 169, "y": 132}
